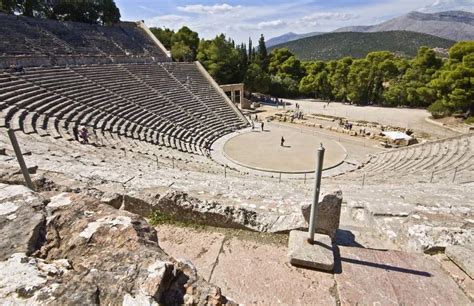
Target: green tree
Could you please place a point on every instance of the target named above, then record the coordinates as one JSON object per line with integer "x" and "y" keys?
{"x": 164, "y": 36}
{"x": 95, "y": 11}
{"x": 9, "y": 6}
{"x": 182, "y": 52}
{"x": 453, "y": 83}
{"x": 109, "y": 12}
{"x": 316, "y": 82}
{"x": 339, "y": 79}
{"x": 261, "y": 57}
{"x": 284, "y": 65}
{"x": 358, "y": 81}
{"x": 184, "y": 45}
{"x": 256, "y": 79}
{"x": 220, "y": 59}
{"x": 410, "y": 88}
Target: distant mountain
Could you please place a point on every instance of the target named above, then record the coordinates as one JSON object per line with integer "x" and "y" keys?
{"x": 288, "y": 37}
{"x": 358, "y": 45}
{"x": 453, "y": 25}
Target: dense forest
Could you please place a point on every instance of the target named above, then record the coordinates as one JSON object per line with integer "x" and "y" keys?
{"x": 443, "y": 85}
{"x": 331, "y": 46}
{"x": 91, "y": 11}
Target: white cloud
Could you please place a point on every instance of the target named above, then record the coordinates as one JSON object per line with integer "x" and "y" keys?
{"x": 271, "y": 24}
{"x": 172, "y": 18}
{"x": 330, "y": 16}
{"x": 316, "y": 19}
{"x": 168, "y": 21}
{"x": 209, "y": 9}
{"x": 299, "y": 16}
{"x": 448, "y": 5}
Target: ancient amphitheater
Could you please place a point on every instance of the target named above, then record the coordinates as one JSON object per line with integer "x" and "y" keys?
{"x": 158, "y": 132}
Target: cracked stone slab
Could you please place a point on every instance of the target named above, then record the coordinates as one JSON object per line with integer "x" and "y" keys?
{"x": 463, "y": 257}
{"x": 379, "y": 277}
{"x": 202, "y": 252}
{"x": 459, "y": 276}
{"x": 249, "y": 271}
{"x": 318, "y": 255}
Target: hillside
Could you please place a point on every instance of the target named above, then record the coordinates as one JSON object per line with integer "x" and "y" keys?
{"x": 290, "y": 36}
{"x": 453, "y": 25}
{"x": 337, "y": 45}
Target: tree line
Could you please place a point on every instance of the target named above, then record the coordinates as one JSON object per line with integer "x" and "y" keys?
{"x": 443, "y": 85}
{"x": 89, "y": 11}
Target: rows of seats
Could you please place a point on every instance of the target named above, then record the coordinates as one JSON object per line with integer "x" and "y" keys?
{"x": 448, "y": 159}
{"x": 23, "y": 36}
{"x": 121, "y": 103}
{"x": 190, "y": 76}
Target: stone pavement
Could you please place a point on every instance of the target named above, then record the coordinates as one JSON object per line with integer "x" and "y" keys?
{"x": 253, "y": 269}
{"x": 402, "y": 117}
{"x": 262, "y": 150}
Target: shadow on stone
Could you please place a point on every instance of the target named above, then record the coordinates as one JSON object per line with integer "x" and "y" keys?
{"x": 338, "y": 265}
{"x": 347, "y": 238}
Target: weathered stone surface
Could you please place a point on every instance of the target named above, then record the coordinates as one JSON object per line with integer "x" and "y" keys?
{"x": 22, "y": 222}
{"x": 459, "y": 276}
{"x": 462, "y": 256}
{"x": 200, "y": 247}
{"x": 113, "y": 257}
{"x": 259, "y": 273}
{"x": 28, "y": 280}
{"x": 328, "y": 213}
{"x": 182, "y": 207}
{"x": 318, "y": 255}
{"x": 370, "y": 277}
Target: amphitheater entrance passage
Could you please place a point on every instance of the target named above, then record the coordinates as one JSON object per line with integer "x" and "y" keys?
{"x": 235, "y": 92}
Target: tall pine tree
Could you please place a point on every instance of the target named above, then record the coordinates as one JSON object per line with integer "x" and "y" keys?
{"x": 262, "y": 54}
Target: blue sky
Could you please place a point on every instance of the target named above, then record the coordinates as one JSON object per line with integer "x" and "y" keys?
{"x": 243, "y": 19}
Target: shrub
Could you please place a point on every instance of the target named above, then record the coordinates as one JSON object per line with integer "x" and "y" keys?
{"x": 439, "y": 110}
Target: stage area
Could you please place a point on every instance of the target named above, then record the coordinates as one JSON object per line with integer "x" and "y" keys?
{"x": 261, "y": 150}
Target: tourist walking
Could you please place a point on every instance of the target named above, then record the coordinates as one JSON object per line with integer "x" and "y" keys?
{"x": 282, "y": 142}
{"x": 262, "y": 126}
{"x": 84, "y": 135}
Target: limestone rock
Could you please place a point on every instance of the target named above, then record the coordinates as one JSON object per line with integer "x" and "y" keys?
{"x": 123, "y": 255}
{"x": 182, "y": 207}
{"x": 89, "y": 253}
{"x": 328, "y": 213}
{"x": 22, "y": 222}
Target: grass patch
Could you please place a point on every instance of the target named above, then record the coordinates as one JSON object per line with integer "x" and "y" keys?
{"x": 469, "y": 120}
{"x": 159, "y": 218}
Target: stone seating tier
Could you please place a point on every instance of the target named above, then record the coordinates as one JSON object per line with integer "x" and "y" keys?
{"x": 121, "y": 98}
{"x": 36, "y": 42}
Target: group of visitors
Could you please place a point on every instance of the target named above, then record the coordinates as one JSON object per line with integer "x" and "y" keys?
{"x": 297, "y": 115}
{"x": 345, "y": 124}
{"x": 267, "y": 100}
{"x": 252, "y": 123}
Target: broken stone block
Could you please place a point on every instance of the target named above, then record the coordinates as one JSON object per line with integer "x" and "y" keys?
{"x": 317, "y": 255}
{"x": 328, "y": 213}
